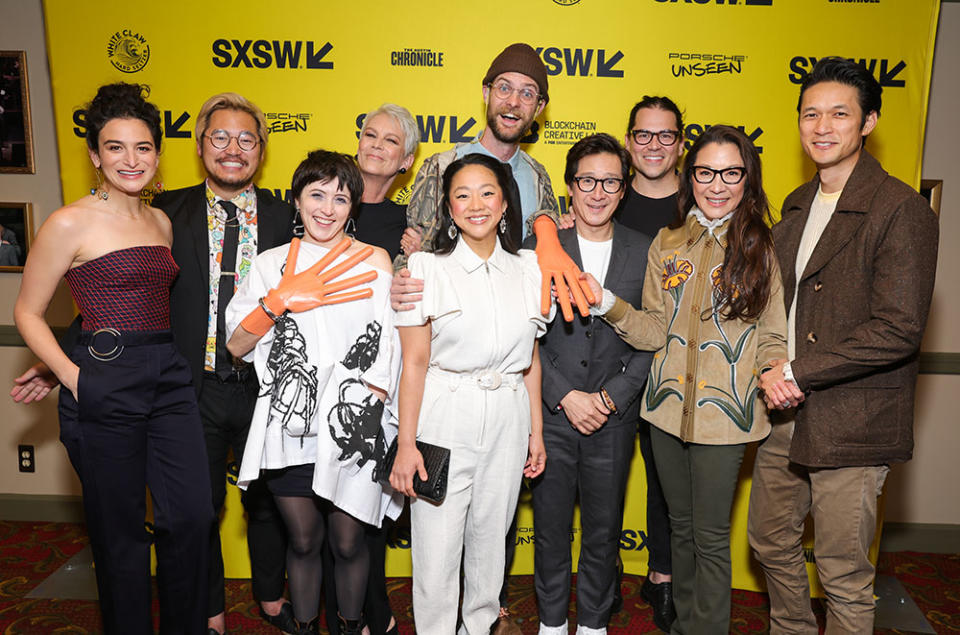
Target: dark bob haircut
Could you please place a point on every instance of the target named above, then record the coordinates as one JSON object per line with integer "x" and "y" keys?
{"x": 600, "y": 143}
{"x": 850, "y": 73}
{"x": 442, "y": 243}
{"x": 121, "y": 101}
{"x": 323, "y": 166}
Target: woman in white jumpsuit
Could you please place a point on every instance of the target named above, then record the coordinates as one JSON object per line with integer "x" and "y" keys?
{"x": 470, "y": 383}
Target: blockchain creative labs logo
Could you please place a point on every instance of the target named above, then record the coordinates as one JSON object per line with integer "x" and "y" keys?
{"x": 702, "y": 64}
{"x": 128, "y": 51}
{"x": 566, "y": 3}
{"x": 417, "y": 57}
{"x": 558, "y": 132}
{"x": 287, "y": 121}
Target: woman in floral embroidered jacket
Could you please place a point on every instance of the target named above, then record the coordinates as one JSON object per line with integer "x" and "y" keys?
{"x": 713, "y": 311}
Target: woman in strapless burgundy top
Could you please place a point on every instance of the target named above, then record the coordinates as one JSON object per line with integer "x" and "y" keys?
{"x": 128, "y": 412}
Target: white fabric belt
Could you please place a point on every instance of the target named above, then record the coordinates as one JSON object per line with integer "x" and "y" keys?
{"x": 485, "y": 379}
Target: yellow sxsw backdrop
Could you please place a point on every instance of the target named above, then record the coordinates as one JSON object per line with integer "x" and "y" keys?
{"x": 724, "y": 61}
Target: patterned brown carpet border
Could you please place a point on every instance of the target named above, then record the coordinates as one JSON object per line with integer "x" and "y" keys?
{"x": 29, "y": 552}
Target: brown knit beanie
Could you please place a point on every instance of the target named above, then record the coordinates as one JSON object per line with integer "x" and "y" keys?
{"x": 520, "y": 58}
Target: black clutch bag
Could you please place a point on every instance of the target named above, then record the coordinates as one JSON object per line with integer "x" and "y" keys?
{"x": 436, "y": 460}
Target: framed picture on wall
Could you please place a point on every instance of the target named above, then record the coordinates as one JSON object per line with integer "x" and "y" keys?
{"x": 16, "y": 130}
{"x": 16, "y": 234}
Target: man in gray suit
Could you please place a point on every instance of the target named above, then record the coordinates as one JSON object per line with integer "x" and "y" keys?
{"x": 591, "y": 381}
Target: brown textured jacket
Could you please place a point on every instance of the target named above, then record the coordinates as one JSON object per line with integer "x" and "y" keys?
{"x": 702, "y": 386}
{"x": 862, "y": 307}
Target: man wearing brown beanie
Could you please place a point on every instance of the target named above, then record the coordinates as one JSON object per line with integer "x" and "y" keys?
{"x": 515, "y": 91}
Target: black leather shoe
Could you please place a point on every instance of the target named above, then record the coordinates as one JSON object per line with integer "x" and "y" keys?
{"x": 660, "y": 599}
{"x": 283, "y": 620}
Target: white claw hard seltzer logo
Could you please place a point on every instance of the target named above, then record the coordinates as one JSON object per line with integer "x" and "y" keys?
{"x": 128, "y": 51}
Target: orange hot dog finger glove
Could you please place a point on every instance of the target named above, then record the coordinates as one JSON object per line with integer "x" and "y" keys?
{"x": 555, "y": 266}
{"x": 308, "y": 289}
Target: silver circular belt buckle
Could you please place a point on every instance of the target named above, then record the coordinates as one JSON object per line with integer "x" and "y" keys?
{"x": 489, "y": 380}
{"x": 111, "y": 355}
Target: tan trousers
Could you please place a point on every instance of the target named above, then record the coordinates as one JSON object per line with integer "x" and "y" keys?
{"x": 843, "y": 503}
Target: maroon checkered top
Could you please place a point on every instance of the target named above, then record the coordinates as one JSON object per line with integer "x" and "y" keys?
{"x": 127, "y": 289}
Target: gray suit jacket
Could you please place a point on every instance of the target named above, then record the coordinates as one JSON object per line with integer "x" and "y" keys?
{"x": 586, "y": 354}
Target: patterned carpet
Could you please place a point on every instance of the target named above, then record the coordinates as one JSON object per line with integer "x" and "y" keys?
{"x": 30, "y": 552}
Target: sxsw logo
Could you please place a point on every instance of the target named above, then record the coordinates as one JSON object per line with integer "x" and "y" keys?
{"x": 694, "y": 130}
{"x": 440, "y": 128}
{"x": 746, "y": 3}
{"x": 173, "y": 124}
{"x": 883, "y": 69}
{"x": 633, "y": 540}
{"x": 270, "y": 54}
{"x": 580, "y": 62}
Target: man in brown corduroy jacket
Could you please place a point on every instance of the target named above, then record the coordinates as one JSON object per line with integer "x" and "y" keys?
{"x": 858, "y": 254}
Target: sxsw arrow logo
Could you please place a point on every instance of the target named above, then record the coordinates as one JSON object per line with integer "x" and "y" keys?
{"x": 431, "y": 128}
{"x": 172, "y": 128}
{"x": 272, "y": 53}
{"x": 580, "y": 62}
{"x": 885, "y": 72}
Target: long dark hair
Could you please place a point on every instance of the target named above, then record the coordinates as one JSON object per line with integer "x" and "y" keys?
{"x": 743, "y": 288}
{"x": 442, "y": 243}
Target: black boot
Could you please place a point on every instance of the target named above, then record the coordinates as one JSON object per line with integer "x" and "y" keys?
{"x": 351, "y": 627}
{"x": 309, "y": 628}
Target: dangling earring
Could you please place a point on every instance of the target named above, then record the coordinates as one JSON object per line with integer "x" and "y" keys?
{"x": 452, "y": 231}
{"x": 350, "y": 228}
{"x": 99, "y": 192}
{"x": 503, "y": 224}
{"x": 297, "y": 225}
{"x": 402, "y": 170}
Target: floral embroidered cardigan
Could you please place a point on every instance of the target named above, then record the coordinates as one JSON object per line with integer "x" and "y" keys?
{"x": 702, "y": 386}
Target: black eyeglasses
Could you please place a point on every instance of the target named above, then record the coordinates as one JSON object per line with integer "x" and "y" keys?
{"x": 220, "y": 139}
{"x": 665, "y": 137}
{"x": 589, "y": 184}
{"x": 731, "y": 176}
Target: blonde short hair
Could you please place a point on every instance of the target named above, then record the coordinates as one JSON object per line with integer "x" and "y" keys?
{"x": 411, "y": 131}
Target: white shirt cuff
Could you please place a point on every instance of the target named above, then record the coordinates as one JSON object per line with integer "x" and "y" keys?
{"x": 788, "y": 372}
{"x": 609, "y": 299}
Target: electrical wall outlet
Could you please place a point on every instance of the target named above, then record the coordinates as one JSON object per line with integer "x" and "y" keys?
{"x": 26, "y": 458}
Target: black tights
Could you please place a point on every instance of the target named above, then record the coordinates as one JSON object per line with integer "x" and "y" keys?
{"x": 307, "y": 520}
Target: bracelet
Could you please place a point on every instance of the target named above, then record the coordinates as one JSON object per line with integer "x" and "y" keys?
{"x": 607, "y": 401}
{"x": 270, "y": 314}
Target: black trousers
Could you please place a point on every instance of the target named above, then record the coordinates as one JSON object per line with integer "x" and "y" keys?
{"x": 658, "y": 522}
{"x": 594, "y": 467}
{"x": 226, "y": 410}
{"x": 137, "y": 426}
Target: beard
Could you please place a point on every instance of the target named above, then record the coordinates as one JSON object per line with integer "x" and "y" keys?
{"x": 502, "y": 136}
